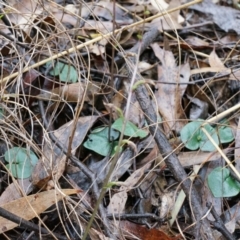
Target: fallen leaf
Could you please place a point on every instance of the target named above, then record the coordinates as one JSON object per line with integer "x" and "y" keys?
{"x": 196, "y": 157}
{"x": 118, "y": 201}
{"x": 169, "y": 96}
{"x": 217, "y": 64}
{"x": 52, "y": 164}
{"x": 30, "y": 206}
{"x": 215, "y": 61}
{"x": 23, "y": 13}
{"x": 227, "y": 18}
{"x": 144, "y": 233}
{"x": 16, "y": 190}
{"x": 69, "y": 92}
{"x": 199, "y": 109}
{"x": 170, "y": 21}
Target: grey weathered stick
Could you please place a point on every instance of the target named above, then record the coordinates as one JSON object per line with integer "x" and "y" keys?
{"x": 171, "y": 159}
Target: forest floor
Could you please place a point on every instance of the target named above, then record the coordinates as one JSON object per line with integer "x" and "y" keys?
{"x": 119, "y": 119}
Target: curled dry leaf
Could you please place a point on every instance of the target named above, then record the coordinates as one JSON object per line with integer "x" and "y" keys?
{"x": 69, "y": 92}
{"x": 72, "y": 92}
{"x": 199, "y": 108}
{"x": 53, "y": 162}
{"x": 28, "y": 207}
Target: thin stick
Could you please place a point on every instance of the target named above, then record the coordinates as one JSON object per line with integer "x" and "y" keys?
{"x": 221, "y": 115}
{"x": 24, "y": 223}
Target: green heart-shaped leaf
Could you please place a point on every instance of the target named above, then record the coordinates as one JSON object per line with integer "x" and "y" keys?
{"x": 131, "y": 130}
{"x": 222, "y": 184}
{"x": 20, "y": 161}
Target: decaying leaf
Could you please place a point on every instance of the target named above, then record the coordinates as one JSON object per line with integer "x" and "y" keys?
{"x": 196, "y": 157}
{"x": 216, "y": 63}
{"x": 199, "y": 109}
{"x": 225, "y": 17}
{"x": 69, "y": 92}
{"x": 30, "y": 206}
{"x": 169, "y": 21}
{"x": 169, "y": 96}
{"x": 118, "y": 201}
{"x": 144, "y": 233}
{"x": 16, "y": 190}
{"x": 52, "y": 164}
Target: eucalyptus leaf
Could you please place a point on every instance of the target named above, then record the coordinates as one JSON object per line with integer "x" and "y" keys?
{"x": 222, "y": 184}
{"x": 20, "y": 161}
{"x": 131, "y": 130}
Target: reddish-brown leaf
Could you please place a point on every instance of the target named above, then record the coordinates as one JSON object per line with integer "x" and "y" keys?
{"x": 144, "y": 233}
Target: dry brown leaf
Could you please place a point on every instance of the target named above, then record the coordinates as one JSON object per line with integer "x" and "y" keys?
{"x": 227, "y": 18}
{"x": 196, "y": 42}
{"x": 169, "y": 21}
{"x": 167, "y": 203}
{"x": 198, "y": 157}
{"x": 169, "y": 96}
{"x": 23, "y": 13}
{"x": 70, "y": 93}
{"x": 159, "y": 4}
{"x": 210, "y": 69}
{"x": 199, "y": 108}
{"x": 53, "y": 162}
{"x": 16, "y": 190}
{"x": 118, "y": 201}
{"x": 215, "y": 61}
{"x": 144, "y": 233}
{"x": 30, "y": 206}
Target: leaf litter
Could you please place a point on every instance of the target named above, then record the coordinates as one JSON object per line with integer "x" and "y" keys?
{"x": 65, "y": 92}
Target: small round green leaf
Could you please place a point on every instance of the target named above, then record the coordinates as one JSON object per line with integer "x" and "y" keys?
{"x": 1, "y": 113}
{"x": 225, "y": 134}
{"x": 100, "y": 145}
{"x": 222, "y": 184}
{"x": 20, "y": 161}
{"x": 131, "y": 130}
{"x": 57, "y": 68}
{"x": 190, "y": 135}
{"x": 104, "y": 132}
{"x": 193, "y": 136}
{"x": 205, "y": 144}
{"x": 66, "y": 72}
